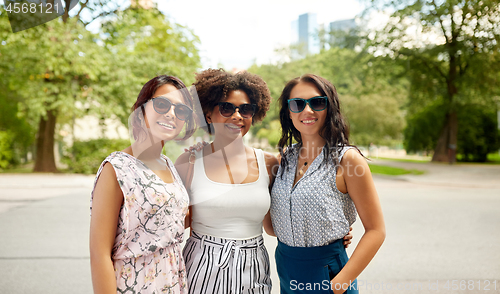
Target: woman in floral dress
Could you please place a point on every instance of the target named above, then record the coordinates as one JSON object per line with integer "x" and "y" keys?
{"x": 139, "y": 203}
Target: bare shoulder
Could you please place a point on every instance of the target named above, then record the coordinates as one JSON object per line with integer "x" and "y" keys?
{"x": 183, "y": 158}
{"x": 271, "y": 160}
{"x": 354, "y": 164}
{"x": 182, "y": 164}
{"x": 107, "y": 174}
{"x": 352, "y": 156}
{"x": 272, "y": 165}
{"x": 107, "y": 186}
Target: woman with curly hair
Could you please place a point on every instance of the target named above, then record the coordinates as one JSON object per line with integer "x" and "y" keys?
{"x": 229, "y": 190}
{"x": 321, "y": 185}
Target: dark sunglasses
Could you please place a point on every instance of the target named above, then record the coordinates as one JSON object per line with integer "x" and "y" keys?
{"x": 317, "y": 103}
{"x": 162, "y": 105}
{"x": 227, "y": 109}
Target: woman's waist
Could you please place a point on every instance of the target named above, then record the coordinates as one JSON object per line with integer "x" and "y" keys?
{"x": 314, "y": 252}
{"x": 145, "y": 251}
{"x": 229, "y": 230}
{"x": 242, "y": 243}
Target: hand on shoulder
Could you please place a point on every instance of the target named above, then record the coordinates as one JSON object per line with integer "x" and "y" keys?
{"x": 182, "y": 164}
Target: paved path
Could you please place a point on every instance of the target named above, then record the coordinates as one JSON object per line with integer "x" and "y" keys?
{"x": 441, "y": 226}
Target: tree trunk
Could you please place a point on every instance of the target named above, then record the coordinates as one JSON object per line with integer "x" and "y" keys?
{"x": 446, "y": 147}
{"x": 45, "y": 161}
{"x": 447, "y": 143}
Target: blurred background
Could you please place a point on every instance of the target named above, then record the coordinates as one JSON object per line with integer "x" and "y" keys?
{"x": 416, "y": 79}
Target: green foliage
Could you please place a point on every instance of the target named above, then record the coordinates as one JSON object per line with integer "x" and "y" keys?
{"x": 371, "y": 98}
{"x": 272, "y": 134}
{"x": 451, "y": 54}
{"x": 6, "y": 155}
{"x": 423, "y": 127}
{"x": 144, "y": 44}
{"x": 62, "y": 67}
{"x": 479, "y": 134}
{"x": 477, "y": 137}
{"x": 155, "y": 45}
{"x": 86, "y": 156}
{"x": 494, "y": 158}
{"x": 17, "y": 132}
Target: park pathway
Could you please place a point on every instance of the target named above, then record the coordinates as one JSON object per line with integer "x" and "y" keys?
{"x": 443, "y": 230}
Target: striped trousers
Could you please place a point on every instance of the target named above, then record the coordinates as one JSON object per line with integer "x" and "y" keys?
{"x": 225, "y": 266}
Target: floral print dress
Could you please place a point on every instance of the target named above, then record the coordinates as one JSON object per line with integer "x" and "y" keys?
{"x": 147, "y": 253}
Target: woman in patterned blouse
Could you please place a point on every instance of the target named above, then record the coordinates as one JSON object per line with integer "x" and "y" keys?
{"x": 139, "y": 203}
{"x": 322, "y": 183}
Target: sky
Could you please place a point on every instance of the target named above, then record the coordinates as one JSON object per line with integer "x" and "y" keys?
{"x": 235, "y": 34}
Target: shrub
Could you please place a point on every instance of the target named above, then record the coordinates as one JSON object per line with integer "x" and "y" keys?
{"x": 86, "y": 156}
{"x": 6, "y": 154}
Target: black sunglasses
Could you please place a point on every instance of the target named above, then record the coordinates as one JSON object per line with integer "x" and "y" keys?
{"x": 162, "y": 105}
{"x": 317, "y": 103}
{"x": 227, "y": 109}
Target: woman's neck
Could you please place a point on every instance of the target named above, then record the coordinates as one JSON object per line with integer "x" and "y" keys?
{"x": 144, "y": 151}
{"x": 311, "y": 146}
{"x": 231, "y": 147}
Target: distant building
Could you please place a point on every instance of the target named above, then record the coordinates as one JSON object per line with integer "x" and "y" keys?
{"x": 340, "y": 30}
{"x": 304, "y": 33}
{"x": 343, "y": 25}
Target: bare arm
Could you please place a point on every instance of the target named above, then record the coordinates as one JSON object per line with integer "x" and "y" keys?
{"x": 182, "y": 167}
{"x": 361, "y": 188}
{"x": 106, "y": 204}
{"x": 272, "y": 165}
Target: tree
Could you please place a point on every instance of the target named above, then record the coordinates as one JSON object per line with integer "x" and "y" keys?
{"x": 452, "y": 53}
{"x": 46, "y": 63}
{"x": 69, "y": 73}
{"x": 49, "y": 68}
{"x": 156, "y": 44}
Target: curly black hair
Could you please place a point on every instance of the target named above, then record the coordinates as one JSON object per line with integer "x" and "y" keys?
{"x": 214, "y": 85}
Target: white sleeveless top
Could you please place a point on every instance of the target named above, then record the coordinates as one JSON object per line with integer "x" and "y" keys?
{"x": 230, "y": 211}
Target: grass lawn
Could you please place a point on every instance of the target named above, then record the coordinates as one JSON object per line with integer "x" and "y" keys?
{"x": 392, "y": 171}
{"x": 17, "y": 170}
{"x": 494, "y": 158}
{"x": 404, "y": 159}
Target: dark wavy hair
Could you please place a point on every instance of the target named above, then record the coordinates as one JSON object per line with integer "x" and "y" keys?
{"x": 213, "y": 86}
{"x": 335, "y": 131}
{"x": 147, "y": 93}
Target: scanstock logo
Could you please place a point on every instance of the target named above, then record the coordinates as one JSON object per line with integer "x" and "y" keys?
{"x": 25, "y": 14}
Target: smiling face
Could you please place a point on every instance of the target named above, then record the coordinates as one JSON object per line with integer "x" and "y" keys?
{"x": 235, "y": 125}
{"x": 308, "y": 122}
{"x": 167, "y": 126}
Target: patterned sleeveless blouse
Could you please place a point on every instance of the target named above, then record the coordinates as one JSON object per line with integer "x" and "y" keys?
{"x": 147, "y": 253}
{"x": 313, "y": 212}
